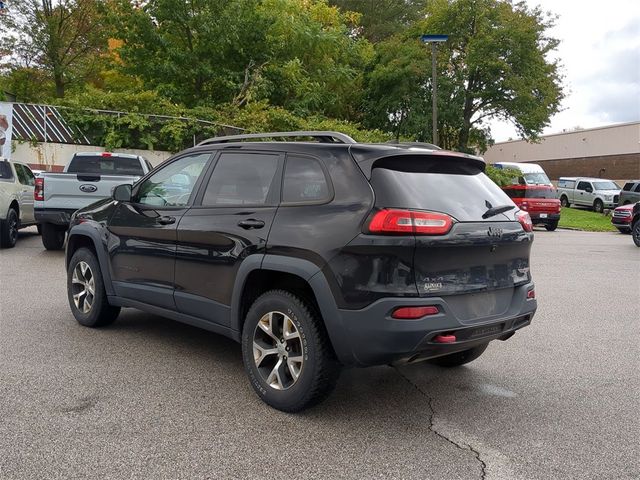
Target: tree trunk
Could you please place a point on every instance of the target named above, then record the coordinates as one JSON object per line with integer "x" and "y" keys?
{"x": 59, "y": 80}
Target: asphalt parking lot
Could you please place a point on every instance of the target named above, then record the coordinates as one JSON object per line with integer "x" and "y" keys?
{"x": 150, "y": 398}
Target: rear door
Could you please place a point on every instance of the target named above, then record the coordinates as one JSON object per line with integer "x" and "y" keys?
{"x": 230, "y": 221}
{"x": 483, "y": 257}
{"x": 142, "y": 244}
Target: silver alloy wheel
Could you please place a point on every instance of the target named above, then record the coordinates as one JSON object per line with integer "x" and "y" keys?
{"x": 277, "y": 350}
{"x": 83, "y": 287}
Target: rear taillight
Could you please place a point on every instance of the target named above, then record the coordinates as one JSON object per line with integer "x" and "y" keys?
{"x": 531, "y": 294}
{"x": 412, "y": 313}
{"x": 525, "y": 221}
{"x": 38, "y": 190}
{"x": 408, "y": 221}
{"x": 524, "y": 206}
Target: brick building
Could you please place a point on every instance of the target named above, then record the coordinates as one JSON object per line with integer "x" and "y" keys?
{"x": 612, "y": 152}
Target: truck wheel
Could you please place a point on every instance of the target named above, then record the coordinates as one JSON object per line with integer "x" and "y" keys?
{"x": 459, "y": 358}
{"x": 86, "y": 293}
{"x": 39, "y": 227}
{"x": 636, "y": 233}
{"x": 286, "y": 352}
{"x": 9, "y": 229}
{"x": 598, "y": 206}
{"x": 52, "y": 236}
{"x": 551, "y": 226}
{"x": 564, "y": 201}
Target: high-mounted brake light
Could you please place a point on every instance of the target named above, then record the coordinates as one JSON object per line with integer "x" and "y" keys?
{"x": 106, "y": 154}
{"x": 38, "y": 189}
{"x": 408, "y": 221}
{"x": 525, "y": 221}
{"x": 412, "y": 313}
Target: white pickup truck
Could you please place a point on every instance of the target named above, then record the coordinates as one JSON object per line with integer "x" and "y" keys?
{"x": 16, "y": 200}
{"x": 597, "y": 193}
{"x": 87, "y": 178}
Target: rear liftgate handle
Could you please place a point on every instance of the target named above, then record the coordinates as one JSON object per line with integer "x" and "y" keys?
{"x": 250, "y": 223}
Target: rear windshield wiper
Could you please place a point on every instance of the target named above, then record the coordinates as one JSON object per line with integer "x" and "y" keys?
{"x": 493, "y": 211}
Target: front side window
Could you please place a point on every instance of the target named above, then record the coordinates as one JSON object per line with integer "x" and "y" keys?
{"x": 637, "y": 189}
{"x": 241, "y": 179}
{"x": 304, "y": 181}
{"x": 583, "y": 185}
{"x": 172, "y": 185}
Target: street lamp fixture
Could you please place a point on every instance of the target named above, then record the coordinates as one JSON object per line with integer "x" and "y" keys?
{"x": 434, "y": 40}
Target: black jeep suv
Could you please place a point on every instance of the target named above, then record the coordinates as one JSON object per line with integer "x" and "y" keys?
{"x": 313, "y": 254}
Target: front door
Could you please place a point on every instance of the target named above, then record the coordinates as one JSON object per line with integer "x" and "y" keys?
{"x": 583, "y": 195}
{"x": 142, "y": 244}
{"x": 26, "y": 180}
{"x": 229, "y": 221}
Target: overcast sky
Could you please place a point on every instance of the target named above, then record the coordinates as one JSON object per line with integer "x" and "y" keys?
{"x": 600, "y": 53}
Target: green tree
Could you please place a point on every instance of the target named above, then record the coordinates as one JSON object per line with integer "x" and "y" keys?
{"x": 63, "y": 38}
{"x": 495, "y": 65}
{"x": 381, "y": 19}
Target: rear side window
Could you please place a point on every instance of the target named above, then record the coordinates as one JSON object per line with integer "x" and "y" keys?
{"x": 304, "y": 181}
{"x": 637, "y": 189}
{"x": 464, "y": 196}
{"x": 241, "y": 179}
{"x": 111, "y": 165}
{"x": 566, "y": 184}
{"x": 530, "y": 192}
{"x": 5, "y": 171}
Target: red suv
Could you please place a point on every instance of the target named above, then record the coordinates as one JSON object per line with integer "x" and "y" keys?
{"x": 621, "y": 218}
{"x": 539, "y": 200}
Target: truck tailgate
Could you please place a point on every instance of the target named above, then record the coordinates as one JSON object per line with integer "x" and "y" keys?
{"x": 74, "y": 191}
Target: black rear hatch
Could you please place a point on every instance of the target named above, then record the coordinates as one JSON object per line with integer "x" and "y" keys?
{"x": 484, "y": 254}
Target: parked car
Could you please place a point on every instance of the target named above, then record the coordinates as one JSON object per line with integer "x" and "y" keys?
{"x": 621, "y": 218}
{"x": 533, "y": 192}
{"x": 630, "y": 192}
{"x": 597, "y": 193}
{"x": 16, "y": 200}
{"x": 86, "y": 178}
{"x": 635, "y": 224}
{"x": 312, "y": 255}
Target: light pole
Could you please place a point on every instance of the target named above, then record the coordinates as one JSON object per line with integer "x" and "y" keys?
{"x": 434, "y": 40}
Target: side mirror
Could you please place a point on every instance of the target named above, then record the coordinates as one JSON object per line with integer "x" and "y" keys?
{"x": 588, "y": 190}
{"x": 122, "y": 193}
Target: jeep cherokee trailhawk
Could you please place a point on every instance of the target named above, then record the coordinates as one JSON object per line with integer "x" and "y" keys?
{"x": 313, "y": 254}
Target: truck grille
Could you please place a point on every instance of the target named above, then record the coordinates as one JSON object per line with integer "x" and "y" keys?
{"x": 621, "y": 213}
{"x": 616, "y": 198}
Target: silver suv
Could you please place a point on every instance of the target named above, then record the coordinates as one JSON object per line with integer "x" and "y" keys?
{"x": 630, "y": 193}
{"x": 598, "y": 193}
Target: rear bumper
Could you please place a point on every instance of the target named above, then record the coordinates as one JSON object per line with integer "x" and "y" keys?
{"x": 60, "y": 216}
{"x": 372, "y": 337}
{"x": 536, "y": 219}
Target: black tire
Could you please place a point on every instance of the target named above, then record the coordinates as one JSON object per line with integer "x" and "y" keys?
{"x": 100, "y": 313}
{"x": 564, "y": 201}
{"x": 459, "y": 358}
{"x": 636, "y": 233}
{"x": 551, "y": 226}
{"x": 9, "y": 229}
{"x": 598, "y": 206}
{"x": 52, "y": 236}
{"x": 319, "y": 370}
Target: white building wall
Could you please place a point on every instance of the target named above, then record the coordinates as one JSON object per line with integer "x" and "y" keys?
{"x": 59, "y": 154}
{"x": 610, "y": 140}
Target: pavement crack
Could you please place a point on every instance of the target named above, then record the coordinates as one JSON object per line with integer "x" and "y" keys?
{"x": 432, "y": 428}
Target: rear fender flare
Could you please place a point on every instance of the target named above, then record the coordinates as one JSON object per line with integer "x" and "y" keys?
{"x": 309, "y": 272}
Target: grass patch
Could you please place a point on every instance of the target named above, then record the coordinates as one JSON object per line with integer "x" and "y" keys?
{"x": 585, "y": 220}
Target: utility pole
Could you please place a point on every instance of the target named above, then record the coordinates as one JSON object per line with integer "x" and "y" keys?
{"x": 434, "y": 40}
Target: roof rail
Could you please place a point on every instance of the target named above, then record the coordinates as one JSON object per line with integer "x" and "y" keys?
{"x": 320, "y": 136}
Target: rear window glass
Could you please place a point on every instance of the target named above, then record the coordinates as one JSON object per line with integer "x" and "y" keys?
{"x": 5, "y": 171}
{"x": 529, "y": 192}
{"x": 113, "y": 165}
{"x": 539, "y": 178}
{"x": 463, "y": 196}
{"x": 627, "y": 187}
{"x": 304, "y": 181}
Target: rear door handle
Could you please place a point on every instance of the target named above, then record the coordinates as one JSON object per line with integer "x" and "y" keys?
{"x": 166, "y": 220}
{"x": 250, "y": 223}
